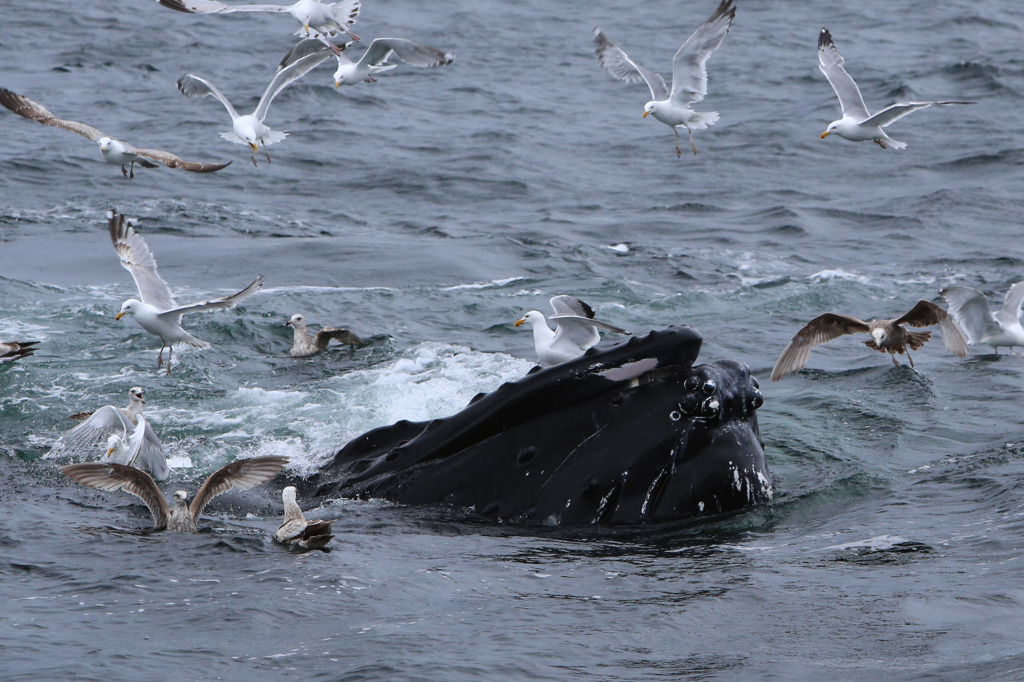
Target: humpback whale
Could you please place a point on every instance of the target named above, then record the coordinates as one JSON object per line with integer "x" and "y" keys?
{"x": 630, "y": 434}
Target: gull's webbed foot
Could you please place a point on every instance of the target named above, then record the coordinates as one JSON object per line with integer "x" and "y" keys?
{"x": 123, "y": 171}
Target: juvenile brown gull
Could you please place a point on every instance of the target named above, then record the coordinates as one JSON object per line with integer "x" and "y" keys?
{"x": 887, "y": 336}
{"x": 113, "y": 151}
{"x": 575, "y": 330}
{"x": 305, "y": 344}
{"x": 970, "y": 309}
{"x": 857, "y": 124}
{"x": 157, "y": 312}
{"x": 241, "y": 474}
{"x": 689, "y": 74}
{"x": 318, "y": 19}
{"x": 296, "y": 531}
{"x": 374, "y": 59}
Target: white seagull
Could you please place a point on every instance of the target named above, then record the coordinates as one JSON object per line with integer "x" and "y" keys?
{"x": 296, "y": 531}
{"x": 113, "y": 151}
{"x": 318, "y": 19}
{"x": 241, "y": 474}
{"x": 575, "y": 330}
{"x": 857, "y": 124}
{"x": 374, "y": 60}
{"x": 970, "y": 309}
{"x": 123, "y": 429}
{"x": 250, "y": 128}
{"x": 157, "y": 312}
{"x": 689, "y": 74}
{"x": 305, "y": 344}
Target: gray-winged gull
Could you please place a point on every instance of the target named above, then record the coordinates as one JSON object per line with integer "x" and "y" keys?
{"x": 970, "y": 309}
{"x": 575, "y": 331}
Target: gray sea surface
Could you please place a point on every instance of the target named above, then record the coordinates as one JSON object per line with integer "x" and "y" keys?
{"x": 429, "y": 210}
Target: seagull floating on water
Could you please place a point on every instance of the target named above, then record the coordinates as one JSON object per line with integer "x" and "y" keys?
{"x": 113, "y": 150}
{"x": 318, "y": 19}
{"x": 123, "y": 429}
{"x": 887, "y": 336}
{"x": 305, "y": 344}
{"x": 250, "y": 128}
{"x": 970, "y": 309}
{"x": 15, "y": 350}
{"x": 857, "y": 124}
{"x": 374, "y": 60}
{"x": 575, "y": 330}
{"x": 157, "y": 312}
{"x": 296, "y": 531}
{"x": 241, "y": 474}
{"x": 689, "y": 74}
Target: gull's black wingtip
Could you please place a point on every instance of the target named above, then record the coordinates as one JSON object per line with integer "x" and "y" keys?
{"x": 824, "y": 38}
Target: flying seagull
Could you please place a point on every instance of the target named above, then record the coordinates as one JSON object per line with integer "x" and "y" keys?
{"x": 134, "y": 450}
{"x": 689, "y": 74}
{"x": 575, "y": 330}
{"x": 970, "y": 309}
{"x": 250, "y": 128}
{"x": 241, "y": 474}
{"x": 887, "y": 336}
{"x": 296, "y": 531}
{"x": 374, "y": 60}
{"x": 109, "y": 425}
{"x": 15, "y": 350}
{"x": 318, "y": 19}
{"x": 113, "y": 151}
{"x": 157, "y": 312}
{"x": 305, "y": 344}
{"x": 857, "y": 124}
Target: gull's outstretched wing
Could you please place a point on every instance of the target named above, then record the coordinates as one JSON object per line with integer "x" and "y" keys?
{"x": 616, "y": 62}
{"x": 970, "y": 309}
{"x": 816, "y": 332}
{"x": 1010, "y": 314}
{"x": 324, "y": 336}
{"x": 214, "y": 7}
{"x": 145, "y": 451}
{"x": 194, "y": 87}
{"x": 86, "y": 439}
{"x": 571, "y": 308}
{"x": 15, "y": 350}
{"x": 242, "y": 474}
{"x": 689, "y": 66}
{"x": 309, "y": 46}
{"x": 222, "y": 303}
{"x": 288, "y": 75}
{"x": 137, "y": 259}
{"x": 23, "y": 106}
{"x": 413, "y": 54}
{"x": 926, "y": 314}
{"x": 173, "y": 161}
{"x": 831, "y": 64}
{"x": 111, "y": 476}
{"x": 895, "y": 112}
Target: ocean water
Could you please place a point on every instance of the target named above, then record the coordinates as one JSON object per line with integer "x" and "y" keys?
{"x": 429, "y": 210}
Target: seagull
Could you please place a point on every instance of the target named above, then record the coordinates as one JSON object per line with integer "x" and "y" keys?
{"x": 857, "y": 124}
{"x": 304, "y": 344}
{"x": 970, "y": 309}
{"x": 241, "y": 474}
{"x": 113, "y": 150}
{"x": 296, "y": 531}
{"x": 318, "y": 19}
{"x": 374, "y": 60}
{"x": 114, "y": 426}
{"x": 887, "y": 336}
{"x": 157, "y": 312}
{"x": 15, "y": 350}
{"x": 250, "y": 129}
{"x": 575, "y": 330}
{"x": 689, "y": 74}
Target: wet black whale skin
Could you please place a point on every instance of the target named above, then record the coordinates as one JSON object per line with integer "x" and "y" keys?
{"x": 628, "y": 434}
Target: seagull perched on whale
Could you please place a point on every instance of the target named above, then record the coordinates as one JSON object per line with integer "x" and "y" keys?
{"x": 689, "y": 74}
{"x": 374, "y": 60}
{"x": 250, "y": 128}
{"x": 318, "y": 19}
{"x": 887, "y": 336}
{"x": 575, "y": 330}
{"x": 857, "y": 124}
{"x": 970, "y": 309}
{"x": 113, "y": 150}
{"x": 241, "y": 474}
{"x": 157, "y": 312}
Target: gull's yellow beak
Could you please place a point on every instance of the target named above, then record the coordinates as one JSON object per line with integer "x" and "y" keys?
{"x": 337, "y": 83}
{"x": 119, "y": 315}
{"x": 254, "y": 147}
{"x": 109, "y": 450}
{"x": 645, "y": 114}
{"x": 519, "y": 321}
{"x": 824, "y": 134}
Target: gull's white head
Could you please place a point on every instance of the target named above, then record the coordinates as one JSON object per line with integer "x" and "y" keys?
{"x": 112, "y": 443}
{"x": 105, "y": 143}
{"x": 129, "y": 307}
{"x": 347, "y": 74}
{"x": 650, "y": 108}
{"x": 297, "y": 320}
{"x": 879, "y": 335}
{"x": 135, "y": 395}
{"x": 832, "y": 127}
{"x": 180, "y": 496}
{"x": 534, "y": 317}
{"x": 288, "y": 494}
